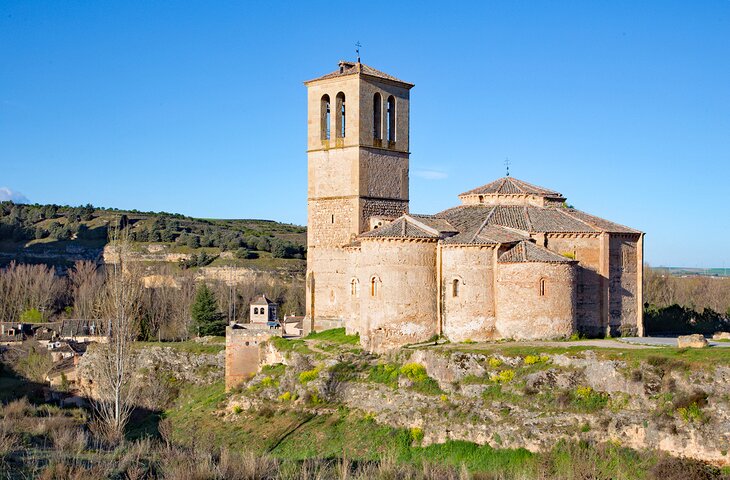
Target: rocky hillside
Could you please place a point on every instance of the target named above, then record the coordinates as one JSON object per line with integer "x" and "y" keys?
{"x": 508, "y": 397}
{"x": 60, "y": 235}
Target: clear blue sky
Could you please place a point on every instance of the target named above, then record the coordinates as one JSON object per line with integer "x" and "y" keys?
{"x": 199, "y": 107}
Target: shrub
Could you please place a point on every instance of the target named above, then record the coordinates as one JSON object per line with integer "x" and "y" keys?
{"x": 32, "y": 315}
{"x": 386, "y": 373}
{"x": 588, "y": 399}
{"x": 533, "y": 359}
{"x": 285, "y": 397}
{"x": 421, "y": 381}
{"x": 504, "y": 376}
{"x": 414, "y": 371}
{"x": 692, "y": 413}
{"x": 416, "y": 434}
{"x": 494, "y": 362}
{"x": 309, "y": 375}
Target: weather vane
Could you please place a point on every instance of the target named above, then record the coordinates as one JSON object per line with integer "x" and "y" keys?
{"x": 506, "y": 164}
{"x": 357, "y": 50}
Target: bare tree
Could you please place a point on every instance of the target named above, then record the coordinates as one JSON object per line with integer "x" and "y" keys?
{"x": 24, "y": 287}
{"x": 113, "y": 366}
{"x": 87, "y": 284}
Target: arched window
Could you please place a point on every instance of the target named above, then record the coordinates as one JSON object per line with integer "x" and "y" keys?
{"x": 374, "y": 286}
{"x": 255, "y": 310}
{"x": 325, "y": 114}
{"x": 377, "y": 116}
{"x": 542, "y": 287}
{"x": 455, "y": 288}
{"x": 391, "y": 119}
{"x": 340, "y": 115}
{"x": 355, "y": 287}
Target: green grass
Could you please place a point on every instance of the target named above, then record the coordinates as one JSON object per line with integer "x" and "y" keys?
{"x": 335, "y": 335}
{"x": 290, "y": 345}
{"x": 385, "y": 373}
{"x": 691, "y": 357}
{"x": 477, "y": 458}
{"x": 189, "y": 346}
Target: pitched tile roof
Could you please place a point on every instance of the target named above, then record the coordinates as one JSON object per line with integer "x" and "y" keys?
{"x": 511, "y": 186}
{"x": 526, "y": 251}
{"x": 522, "y": 218}
{"x": 80, "y": 327}
{"x": 404, "y": 227}
{"x": 262, "y": 300}
{"x": 485, "y": 235}
{"x": 599, "y": 223}
{"x": 357, "y": 68}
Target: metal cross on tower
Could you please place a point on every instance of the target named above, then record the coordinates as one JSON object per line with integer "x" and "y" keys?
{"x": 357, "y": 50}
{"x": 506, "y": 164}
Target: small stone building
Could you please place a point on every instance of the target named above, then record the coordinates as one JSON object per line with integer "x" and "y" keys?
{"x": 245, "y": 351}
{"x": 513, "y": 260}
{"x": 263, "y": 310}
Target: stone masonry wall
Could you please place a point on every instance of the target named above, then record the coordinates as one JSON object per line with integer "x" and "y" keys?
{"x": 622, "y": 285}
{"x": 587, "y": 250}
{"x": 470, "y": 315}
{"x": 331, "y": 271}
{"x": 403, "y": 309}
{"x": 522, "y": 313}
{"x": 383, "y": 174}
{"x": 243, "y": 353}
{"x": 332, "y": 222}
{"x": 380, "y": 208}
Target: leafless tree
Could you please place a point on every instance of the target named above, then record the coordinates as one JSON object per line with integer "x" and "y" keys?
{"x": 87, "y": 284}
{"x": 24, "y": 287}
{"x": 113, "y": 366}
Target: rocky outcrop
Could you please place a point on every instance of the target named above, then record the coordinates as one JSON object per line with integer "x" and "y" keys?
{"x": 692, "y": 341}
{"x": 525, "y": 401}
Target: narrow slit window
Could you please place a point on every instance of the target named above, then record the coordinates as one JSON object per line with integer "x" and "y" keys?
{"x": 377, "y": 116}
{"x": 355, "y": 287}
{"x": 455, "y": 288}
{"x": 542, "y": 287}
{"x": 325, "y": 114}
{"x": 391, "y": 119}
{"x": 374, "y": 287}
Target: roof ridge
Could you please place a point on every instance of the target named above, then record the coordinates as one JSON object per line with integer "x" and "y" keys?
{"x": 516, "y": 183}
{"x": 529, "y": 220}
{"x": 484, "y": 223}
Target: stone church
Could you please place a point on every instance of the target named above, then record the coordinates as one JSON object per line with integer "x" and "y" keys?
{"x": 511, "y": 261}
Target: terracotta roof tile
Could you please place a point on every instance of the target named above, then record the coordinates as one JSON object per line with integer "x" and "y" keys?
{"x": 403, "y": 227}
{"x": 526, "y": 251}
{"x": 511, "y": 186}
{"x": 353, "y": 68}
{"x": 262, "y": 300}
{"x": 598, "y": 223}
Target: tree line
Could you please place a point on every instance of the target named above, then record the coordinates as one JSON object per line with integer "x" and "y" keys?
{"x": 677, "y": 305}
{"x": 22, "y": 223}
{"x": 162, "y": 304}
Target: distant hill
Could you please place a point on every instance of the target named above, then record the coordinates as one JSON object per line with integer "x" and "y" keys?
{"x": 691, "y": 271}
{"x": 60, "y": 235}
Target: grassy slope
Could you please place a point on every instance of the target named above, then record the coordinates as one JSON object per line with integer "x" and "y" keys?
{"x": 336, "y": 432}
{"x": 343, "y": 434}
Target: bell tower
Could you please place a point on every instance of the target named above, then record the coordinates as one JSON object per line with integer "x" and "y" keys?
{"x": 357, "y": 152}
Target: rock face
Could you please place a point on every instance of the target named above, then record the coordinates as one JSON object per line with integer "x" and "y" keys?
{"x": 721, "y": 336}
{"x": 692, "y": 341}
{"x": 522, "y": 401}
